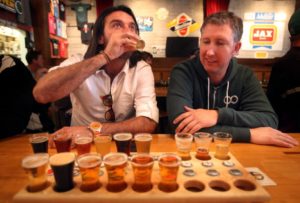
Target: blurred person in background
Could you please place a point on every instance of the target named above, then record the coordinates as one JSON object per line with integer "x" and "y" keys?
{"x": 40, "y": 119}
{"x": 284, "y": 84}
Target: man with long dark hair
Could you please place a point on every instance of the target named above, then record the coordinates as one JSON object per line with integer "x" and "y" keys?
{"x": 106, "y": 85}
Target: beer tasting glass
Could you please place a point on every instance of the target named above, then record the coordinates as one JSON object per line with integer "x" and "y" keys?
{"x": 203, "y": 141}
{"x": 115, "y": 164}
{"x": 83, "y": 142}
{"x": 103, "y": 143}
{"x": 222, "y": 142}
{"x": 184, "y": 145}
{"x": 123, "y": 142}
{"x": 35, "y": 166}
{"x": 168, "y": 168}
{"x": 143, "y": 142}
{"x": 39, "y": 142}
{"x": 62, "y": 165}
{"x": 89, "y": 166}
{"x": 62, "y": 142}
{"x": 142, "y": 165}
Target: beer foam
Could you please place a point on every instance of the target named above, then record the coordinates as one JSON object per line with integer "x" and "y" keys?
{"x": 35, "y": 160}
{"x": 83, "y": 140}
{"x": 123, "y": 136}
{"x": 114, "y": 159}
{"x": 89, "y": 161}
{"x": 143, "y": 137}
{"x": 62, "y": 158}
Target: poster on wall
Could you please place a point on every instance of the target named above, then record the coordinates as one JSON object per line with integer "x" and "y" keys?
{"x": 183, "y": 25}
{"x": 145, "y": 23}
{"x": 263, "y": 31}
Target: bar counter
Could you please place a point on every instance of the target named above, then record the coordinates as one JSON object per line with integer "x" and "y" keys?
{"x": 282, "y": 165}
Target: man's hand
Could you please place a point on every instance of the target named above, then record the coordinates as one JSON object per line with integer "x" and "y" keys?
{"x": 119, "y": 43}
{"x": 68, "y": 131}
{"x": 270, "y": 136}
{"x": 194, "y": 119}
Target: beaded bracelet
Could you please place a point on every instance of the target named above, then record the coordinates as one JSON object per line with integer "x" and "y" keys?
{"x": 108, "y": 60}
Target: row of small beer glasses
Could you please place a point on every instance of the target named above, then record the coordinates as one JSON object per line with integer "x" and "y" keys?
{"x": 89, "y": 164}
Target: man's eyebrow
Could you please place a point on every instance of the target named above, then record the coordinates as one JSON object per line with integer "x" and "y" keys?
{"x": 115, "y": 21}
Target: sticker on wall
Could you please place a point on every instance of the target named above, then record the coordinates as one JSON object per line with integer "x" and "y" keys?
{"x": 263, "y": 31}
{"x": 162, "y": 14}
{"x": 145, "y": 23}
{"x": 183, "y": 25}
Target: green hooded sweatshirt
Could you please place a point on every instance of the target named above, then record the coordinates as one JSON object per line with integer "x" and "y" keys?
{"x": 239, "y": 99}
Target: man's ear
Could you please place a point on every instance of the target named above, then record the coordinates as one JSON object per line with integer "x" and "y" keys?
{"x": 101, "y": 40}
{"x": 237, "y": 48}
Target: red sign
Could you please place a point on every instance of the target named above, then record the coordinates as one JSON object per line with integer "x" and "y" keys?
{"x": 263, "y": 34}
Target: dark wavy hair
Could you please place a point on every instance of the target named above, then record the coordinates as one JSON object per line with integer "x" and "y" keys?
{"x": 98, "y": 30}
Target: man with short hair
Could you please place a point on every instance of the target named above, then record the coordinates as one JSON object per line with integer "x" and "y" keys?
{"x": 212, "y": 92}
{"x": 106, "y": 85}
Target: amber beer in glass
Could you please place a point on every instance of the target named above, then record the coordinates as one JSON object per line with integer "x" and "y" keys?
{"x": 203, "y": 141}
{"x": 35, "y": 166}
{"x": 143, "y": 142}
{"x": 62, "y": 165}
{"x": 222, "y": 142}
{"x": 83, "y": 143}
{"x": 89, "y": 165}
{"x": 39, "y": 142}
{"x": 142, "y": 165}
{"x": 115, "y": 164}
{"x": 168, "y": 168}
{"x": 123, "y": 142}
{"x": 184, "y": 145}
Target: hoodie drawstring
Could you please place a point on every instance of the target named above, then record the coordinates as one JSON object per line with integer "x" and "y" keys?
{"x": 227, "y": 90}
{"x": 208, "y": 93}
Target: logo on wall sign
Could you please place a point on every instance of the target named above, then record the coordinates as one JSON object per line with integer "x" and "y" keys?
{"x": 183, "y": 25}
{"x": 263, "y": 35}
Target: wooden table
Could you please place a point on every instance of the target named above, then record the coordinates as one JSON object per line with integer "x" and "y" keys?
{"x": 280, "y": 164}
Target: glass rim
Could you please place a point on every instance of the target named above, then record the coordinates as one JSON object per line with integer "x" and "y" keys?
{"x": 142, "y": 155}
{"x": 148, "y": 136}
{"x": 203, "y": 135}
{"x": 87, "y": 165}
{"x": 172, "y": 155}
{"x": 62, "y": 136}
{"x": 119, "y": 134}
{"x": 190, "y": 136}
{"x": 222, "y": 135}
{"x": 69, "y": 158}
{"x": 120, "y": 154}
{"x": 39, "y": 158}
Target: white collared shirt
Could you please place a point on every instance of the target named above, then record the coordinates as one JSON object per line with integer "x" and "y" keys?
{"x": 132, "y": 91}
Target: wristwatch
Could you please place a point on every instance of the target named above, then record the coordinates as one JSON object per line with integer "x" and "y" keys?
{"x": 95, "y": 127}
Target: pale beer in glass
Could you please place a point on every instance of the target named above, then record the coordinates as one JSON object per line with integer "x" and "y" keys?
{"x": 102, "y": 144}
{"x": 143, "y": 142}
{"x": 222, "y": 142}
{"x": 184, "y": 145}
{"x": 35, "y": 166}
